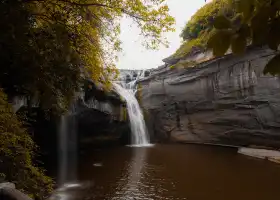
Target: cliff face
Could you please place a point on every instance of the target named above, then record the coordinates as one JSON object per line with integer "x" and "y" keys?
{"x": 227, "y": 100}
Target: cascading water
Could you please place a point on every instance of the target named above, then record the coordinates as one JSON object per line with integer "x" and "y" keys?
{"x": 68, "y": 151}
{"x": 137, "y": 124}
{"x": 67, "y": 148}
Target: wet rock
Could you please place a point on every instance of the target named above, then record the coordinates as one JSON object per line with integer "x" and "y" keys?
{"x": 9, "y": 192}
{"x": 266, "y": 154}
{"x": 100, "y": 128}
{"x": 7, "y": 185}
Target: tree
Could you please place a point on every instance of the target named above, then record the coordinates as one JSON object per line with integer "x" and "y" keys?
{"x": 259, "y": 25}
{"x": 203, "y": 19}
{"x": 200, "y": 27}
{"x": 50, "y": 46}
{"x": 16, "y": 154}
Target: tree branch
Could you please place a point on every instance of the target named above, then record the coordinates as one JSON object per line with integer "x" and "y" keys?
{"x": 95, "y": 4}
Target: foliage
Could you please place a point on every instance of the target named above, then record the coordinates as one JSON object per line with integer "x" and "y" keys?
{"x": 200, "y": 27}
{"x": 47, "y": 50}
{"x": 16, "y": 153}
{"x": 203, "y": 19}
{"x": 48, "y": 44}
{"x": 193, "y": 45}
{"x": 259, "y": 25}
{"x": 172, "y": 67}
{"x": 36, "y": 61}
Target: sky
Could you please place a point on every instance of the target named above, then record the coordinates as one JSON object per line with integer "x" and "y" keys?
{"x": 135, "y": 56}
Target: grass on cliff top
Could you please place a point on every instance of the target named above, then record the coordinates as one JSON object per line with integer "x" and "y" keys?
{"x": 200, "y": 27}
{"x": 193, "y": 45}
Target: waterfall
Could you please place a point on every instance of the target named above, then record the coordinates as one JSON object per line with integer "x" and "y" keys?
{"x": 68, "y": 182}
{"x": 67, "y": 149}
{"x": 137, "y": 124}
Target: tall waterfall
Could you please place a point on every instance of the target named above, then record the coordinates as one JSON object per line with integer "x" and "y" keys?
{"x": 137, "y": 124}
{"x": 67, "y": 149}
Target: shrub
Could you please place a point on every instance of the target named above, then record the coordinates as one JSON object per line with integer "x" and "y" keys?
{"x": 16, "y": 154}
{"x": 200, "y": 27}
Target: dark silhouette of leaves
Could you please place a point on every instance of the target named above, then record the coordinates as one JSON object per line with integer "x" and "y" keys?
{"x": 273, "y": 66}
{"x": 220, "y": 42}
{"x": 221, "y": 22}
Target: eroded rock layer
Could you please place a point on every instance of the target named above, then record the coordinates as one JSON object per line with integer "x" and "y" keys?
{"x": 227, "y": 100}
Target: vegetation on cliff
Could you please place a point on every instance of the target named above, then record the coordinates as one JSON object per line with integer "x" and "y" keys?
{"x": 259, "y": 26}
{"x": 200, "y": 27}
{"x": 232, "y": 24}
{"x": 16, "y": 153}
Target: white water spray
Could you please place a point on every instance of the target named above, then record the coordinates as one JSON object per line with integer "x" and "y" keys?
{"x": 137, "y": 124}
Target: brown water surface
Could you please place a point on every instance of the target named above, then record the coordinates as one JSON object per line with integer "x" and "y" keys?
{"x": 178, "y": 172}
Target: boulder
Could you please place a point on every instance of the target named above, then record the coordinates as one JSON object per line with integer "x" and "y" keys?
{"x": 9, "y": 192}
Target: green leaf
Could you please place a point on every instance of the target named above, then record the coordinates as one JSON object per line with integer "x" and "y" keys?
{"x": 239, "y": 40}
{"x": 221, "y": 22}
{"x": 246, "y": 8}
{"x": 238, "y": 44}
{"x": 237, "y": 19}
{"x": 276, "y": 4}
{"x": 219, "y": 42}
{"x": 273, "y": 66}
{"x": 259, "y": 26}
{"x": 260, "y": 19}
{"x": 244, "y": 31}
{"x": 273, "y": 40}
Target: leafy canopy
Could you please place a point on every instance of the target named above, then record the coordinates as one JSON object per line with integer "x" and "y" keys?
{"x": 200, "y": 27}
{"x": 259, "y": 25}
{"x": 16, "y": 154}
{"x": 203, "y": 19}
{"x": 49, "y": 46}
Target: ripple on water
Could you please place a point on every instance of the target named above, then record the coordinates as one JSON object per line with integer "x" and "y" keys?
{"x": 140, "y": 145}
{"x": 179, "y": 172}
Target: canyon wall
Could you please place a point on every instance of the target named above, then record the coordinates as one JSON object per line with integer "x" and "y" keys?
{"x": 227, "y": 100}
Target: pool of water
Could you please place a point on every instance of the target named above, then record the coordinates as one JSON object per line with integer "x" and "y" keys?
{"x": 177, "y": 172}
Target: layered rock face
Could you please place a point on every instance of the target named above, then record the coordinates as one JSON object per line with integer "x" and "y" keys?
{"x": 227, "y": 101}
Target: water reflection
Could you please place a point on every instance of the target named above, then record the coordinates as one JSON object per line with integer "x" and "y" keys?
{"x": 132, "y": 177}
{"x": 175, "y": 172}
{"x": 143, "y": 180}
{"x": 71, "y": 191}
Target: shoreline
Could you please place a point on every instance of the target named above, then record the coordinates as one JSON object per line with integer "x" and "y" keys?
{"x": 262, "y": 153}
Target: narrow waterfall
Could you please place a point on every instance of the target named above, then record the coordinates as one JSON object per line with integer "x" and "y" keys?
{"x": 139, "y": 132}
{"x": 67, "y": 150}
